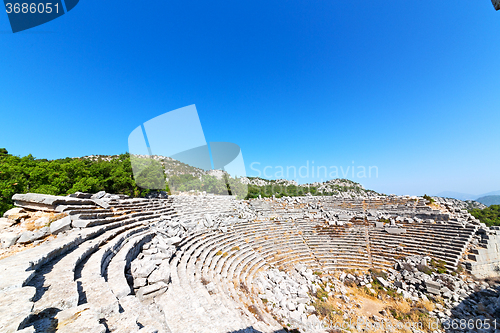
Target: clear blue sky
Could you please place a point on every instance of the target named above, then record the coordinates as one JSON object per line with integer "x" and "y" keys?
{"x": 411, "y": 87}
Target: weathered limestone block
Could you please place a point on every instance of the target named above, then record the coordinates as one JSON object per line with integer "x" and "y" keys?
{"x": 174, "y": 240}
{"x": 80, "y": 195}
{"x": 395, "y": 231}
{"x": 13, "y": 211}
{"x": 160, "y": 274}
{"x": 15, "y": 307}
{"x": 26, "y": 237}
{"x": 79, "y": 319}
{"x": 433, "y": 287}
{"x": 41, "y": 233}
{"x": 131, "y": 305}
{"x": 144, "y": 270}
{"x": 122, "y": 322}
{"x": 60, "y": 225}
{"x": 8, "y": 239}
{"x": 103, "y": 301}
{"x": 208, "y": 221}
{"x": 151, "y": 290}
{"x": 42, "y": 221}
{"x": 383, "y": 282}
{"x": 98, "y": 195}
{"x": 6, "y": 222}
{"x": 46, "y": 202}
{"x": 140, "y": 282}
{"x": 101, "y": 203}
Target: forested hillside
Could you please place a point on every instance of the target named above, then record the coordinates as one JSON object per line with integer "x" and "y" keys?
{"x": 64, "y": 176}
{"x": 489, "y": 215}
{"x": 489, "y": 200}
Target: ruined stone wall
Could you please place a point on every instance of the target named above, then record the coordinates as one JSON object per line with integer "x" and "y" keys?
{"x": 485, "y": 258}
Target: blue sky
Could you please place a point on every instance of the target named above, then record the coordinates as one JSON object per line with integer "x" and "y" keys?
{"x": 408, "y": 87}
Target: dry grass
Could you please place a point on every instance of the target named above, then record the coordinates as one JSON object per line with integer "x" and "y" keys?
{"x": 401, "y": 312}
{"x": 69, "y": 320}
{"x": 362, "y": 292}
{"x": 401, "y": 306}
{"x": 55, "y": 217}
{"x": 405, "y": 313}
{"x": 428, "y": 305}
{"x": 30, "y": 226}
{"x": 4, "y": 253}
{"x": 244, "y": 288}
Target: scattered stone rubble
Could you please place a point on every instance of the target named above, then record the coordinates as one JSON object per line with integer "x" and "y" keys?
{"x": 150, "y": 271}
{"x": 291, "y": 296}
{"x": 457, "y": 205}
{"x": 287, "y": 294}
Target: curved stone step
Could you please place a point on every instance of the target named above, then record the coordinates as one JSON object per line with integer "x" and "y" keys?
{"x": 121, "y": 260}
{"x": 96, "y": 289}
{"x": 62, "y": 292}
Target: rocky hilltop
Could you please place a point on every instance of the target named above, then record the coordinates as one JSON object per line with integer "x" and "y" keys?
{"x": 205, "y": 263}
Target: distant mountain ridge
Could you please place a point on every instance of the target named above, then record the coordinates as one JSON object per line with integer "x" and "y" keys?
{"x": 489, "y": 200}
{"x": 466, "y": 196}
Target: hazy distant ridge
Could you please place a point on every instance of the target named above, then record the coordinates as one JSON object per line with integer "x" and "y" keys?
{"x": 466, "y": 196}
{"x": 489, "y": 200}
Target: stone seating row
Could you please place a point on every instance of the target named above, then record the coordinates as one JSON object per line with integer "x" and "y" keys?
{"x": 201, "y": 257}
{"x": 73, "y": 249}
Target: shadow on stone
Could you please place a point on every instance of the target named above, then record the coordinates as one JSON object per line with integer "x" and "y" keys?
{"x": 43, "y": 322}
{"x": 481, "y": 310}
{"x": 82, "y": 296}
{"x": 253, "y": 330}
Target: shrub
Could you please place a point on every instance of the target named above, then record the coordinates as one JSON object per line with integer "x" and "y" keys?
{"x": 324, "y": 309}
{"x": 439, "y": 266}
{"x": 489, "y": 216}
{"x": 427, "y": 197}
{"x": 244, "y": 288}
{"x": 64, "y": 176}
{"x": 424, "y": 269}
{"x": 377, "y": 272}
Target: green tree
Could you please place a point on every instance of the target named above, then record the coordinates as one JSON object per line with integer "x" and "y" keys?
{"x": 69, "y": 175}
{"x": 489, "y": 215}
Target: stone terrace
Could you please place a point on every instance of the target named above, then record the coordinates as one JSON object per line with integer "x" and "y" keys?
{"x": 189, "y": 263}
